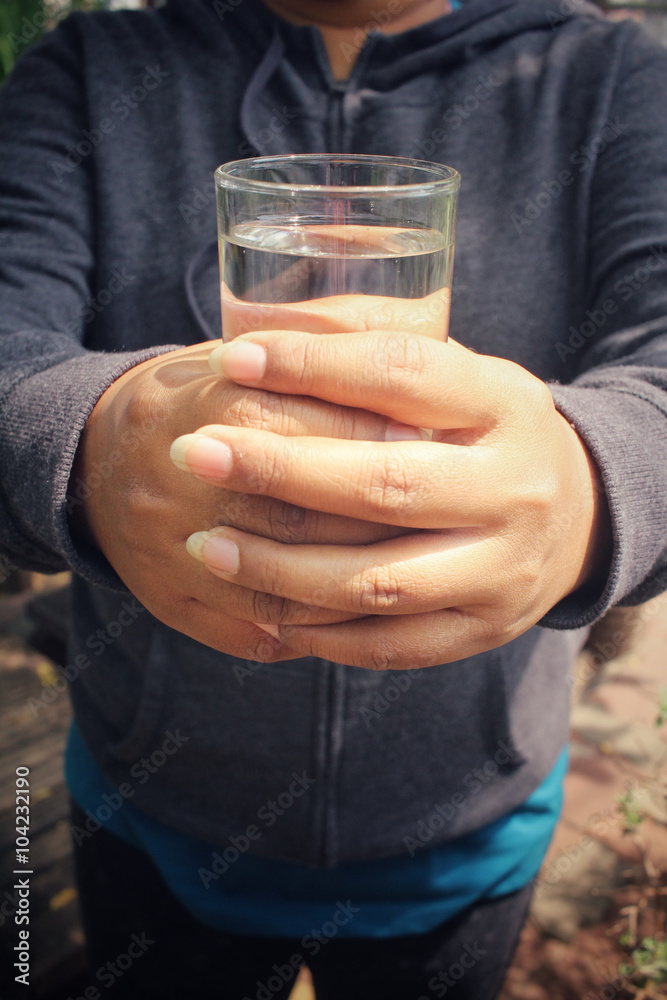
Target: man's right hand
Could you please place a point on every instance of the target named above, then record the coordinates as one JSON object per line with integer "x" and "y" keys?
{"x": 142, "y": 512}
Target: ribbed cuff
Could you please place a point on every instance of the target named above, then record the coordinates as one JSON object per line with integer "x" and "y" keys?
{"x": 614, "y": 424}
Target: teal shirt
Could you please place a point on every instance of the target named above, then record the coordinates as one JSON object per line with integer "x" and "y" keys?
{"x": 234, "y": 890}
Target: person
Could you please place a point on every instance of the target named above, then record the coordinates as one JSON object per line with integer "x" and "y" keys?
{"x": 367, "y": 784}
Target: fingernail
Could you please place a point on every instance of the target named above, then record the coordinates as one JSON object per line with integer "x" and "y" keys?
{"x": 239, "y": 360}
{"x": 220, "y": 553}
{"x": 201, "y": 455}
{"x": 194, "y": 544}
{"x": 404, "y": 432}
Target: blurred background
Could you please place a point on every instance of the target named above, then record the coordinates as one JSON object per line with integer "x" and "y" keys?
{"x": 597, "y": 926}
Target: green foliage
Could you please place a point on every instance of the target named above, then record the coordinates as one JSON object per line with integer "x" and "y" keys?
{"x": 18, "y": 28}
{"x": 662, "y": 708}
{"x": 630, "y": 811}
{"x": 649, "y": 968}
{"x": 22, "y": 22}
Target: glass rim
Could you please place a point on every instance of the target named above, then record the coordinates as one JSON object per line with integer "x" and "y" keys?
{"x": 448, "y": 182}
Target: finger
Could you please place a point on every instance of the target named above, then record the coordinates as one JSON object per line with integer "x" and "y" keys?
{"x": 286, "y": 522}
{"x": 416, "y": 380}
{"x": 229, "y": 403}
{"x": 402, "y": 643}
{"x": 228, "y": 635}
{"x": 428, "y": 316}
{"x": 262, "y": 608}
{"x": 420, "y": 484}
{"x": 247, "y": 604}
{"x": 216, "y": 629}
{"x": 415, "y": 574}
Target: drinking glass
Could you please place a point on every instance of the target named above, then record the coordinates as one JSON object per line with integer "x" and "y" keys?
{"x": 335, "y": 243}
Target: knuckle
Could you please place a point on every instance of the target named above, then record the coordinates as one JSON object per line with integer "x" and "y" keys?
{"x": 269, "y": 608}
{"x": 271, "y": 574}
{"x": 537, "y": 401}
{"x": 382, "y": 655}
{"x": 502, "y": 631}
{"x": 378, "y": 592}
{"x": 401, "y": 357}
{"x": 310, "y": 348}
{"x": 234, "y": 509}
{"x": 537, "y": 498}
{"x": 489, "y": 627}
{"x": 264, "y": 473}
{"x": 261, "y": 410}
{"x": 144, "y": 407}
{"x": 260, "y": 606}
{"x": 287, "y": 522}
{"x": 529, "y": 574}
{"x": 256, "y": 409}
{"x": 389, "y": 492}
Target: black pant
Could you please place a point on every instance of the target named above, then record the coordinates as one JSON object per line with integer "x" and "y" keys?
{"x": 144, "y": 945}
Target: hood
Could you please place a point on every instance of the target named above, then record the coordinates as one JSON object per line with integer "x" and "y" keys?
{"x": 293, "y": 69}
{"x": 291, "y": 103}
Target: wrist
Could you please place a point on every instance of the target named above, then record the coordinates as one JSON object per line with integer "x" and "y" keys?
{"x": 597, "y": 525}
{"x": 79, "y": 491}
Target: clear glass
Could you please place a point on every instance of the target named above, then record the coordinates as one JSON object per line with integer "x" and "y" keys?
{"x": 332, "y": 244}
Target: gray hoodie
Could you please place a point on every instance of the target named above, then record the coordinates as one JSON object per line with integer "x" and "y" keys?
{"x": 110, "y": 130}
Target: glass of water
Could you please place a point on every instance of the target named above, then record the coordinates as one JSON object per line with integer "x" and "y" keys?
{"x": 335, "y": 243}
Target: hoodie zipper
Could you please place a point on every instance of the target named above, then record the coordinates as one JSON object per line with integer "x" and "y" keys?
{"x": 337, "y": 118}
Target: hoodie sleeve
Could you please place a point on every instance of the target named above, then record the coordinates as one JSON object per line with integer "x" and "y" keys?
{"x": 49, "y": 381}
{"x": 618, "y": 400}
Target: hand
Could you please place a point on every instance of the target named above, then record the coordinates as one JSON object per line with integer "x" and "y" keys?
{"x": 428, "y": 316}
{"x": 141, "y": 513}
{"x": 504, "y": 510}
